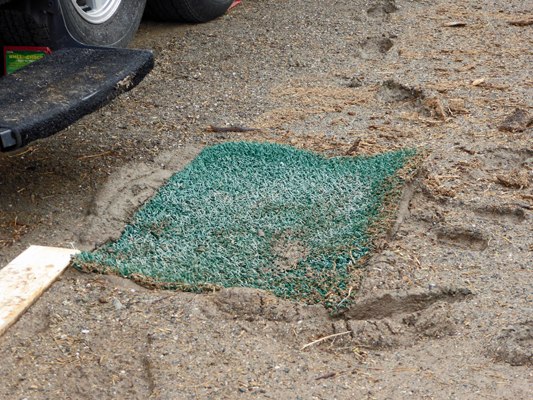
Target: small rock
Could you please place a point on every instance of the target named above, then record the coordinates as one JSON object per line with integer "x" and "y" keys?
{"x": 391, "y": 91}
{"x": 298, "y": 64}
{"x": 355, "y": 82}
{"x": 260, "y": 233}
{"x": 516, "y": 122}
{"x": 116, "y": 303}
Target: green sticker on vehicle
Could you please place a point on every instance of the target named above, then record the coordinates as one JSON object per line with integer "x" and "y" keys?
{"x": 18, "y": 58}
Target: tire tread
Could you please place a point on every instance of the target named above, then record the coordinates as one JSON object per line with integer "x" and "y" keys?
{"x": 195, "y": 11}
{"x": 17, "y": 29}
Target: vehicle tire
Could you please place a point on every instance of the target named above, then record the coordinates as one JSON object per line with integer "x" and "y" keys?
{"x": 18, "y": 29}
{"x": 195, "y": 11}
{"x": 112, "y": 23}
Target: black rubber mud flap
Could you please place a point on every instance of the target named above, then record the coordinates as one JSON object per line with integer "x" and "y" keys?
{"x": 50, "y": 94}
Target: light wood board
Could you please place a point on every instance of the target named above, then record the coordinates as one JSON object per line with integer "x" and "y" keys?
{"x": 28, "y": 276}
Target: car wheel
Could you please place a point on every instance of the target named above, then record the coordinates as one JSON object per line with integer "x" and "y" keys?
{"x": 103, "y": 22}
{"x": 186, "y": 10}
{"x": 93, "y": 22}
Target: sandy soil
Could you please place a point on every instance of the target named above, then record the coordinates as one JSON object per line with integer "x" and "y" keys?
{"x": 445, "y": 308}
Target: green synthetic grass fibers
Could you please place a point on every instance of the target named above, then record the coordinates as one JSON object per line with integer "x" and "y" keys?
{"x": 259, "y": 215}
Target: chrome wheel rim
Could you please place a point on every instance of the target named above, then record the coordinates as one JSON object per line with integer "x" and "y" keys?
{"x": 96, "y": 11}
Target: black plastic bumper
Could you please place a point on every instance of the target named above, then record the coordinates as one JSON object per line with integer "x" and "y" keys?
{"x": 75, "y": 80}
{"x": 52, "y": 93}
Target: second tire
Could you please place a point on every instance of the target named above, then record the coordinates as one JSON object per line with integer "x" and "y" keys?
{"x": 195, "y": 11}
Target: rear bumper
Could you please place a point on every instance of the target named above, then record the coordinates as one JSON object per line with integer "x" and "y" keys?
{"x": 52, "y": 93}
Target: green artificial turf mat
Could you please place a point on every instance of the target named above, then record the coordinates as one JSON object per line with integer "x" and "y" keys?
{"x": 261, "y": 215}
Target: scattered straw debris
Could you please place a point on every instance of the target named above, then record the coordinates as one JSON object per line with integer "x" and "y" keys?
{"x": 366, "y": 146}
{"x": 320, "y": 142}
{"x": 325, "y": 338}
{"x": 16, "y": 229}
{"x": 494, "y": 86}
{"x": 521, "y": 21}
{"x": 457, "y": 106}
{"x": 444, "y": 87}
{"x": 466, "y": 68}
{"x": 106, "y": 153}
{"x": 307, "y": 98}
{"x": 516, "y": 179}
{"x": 229, "y": 129}
{"x": 434, "y": 185}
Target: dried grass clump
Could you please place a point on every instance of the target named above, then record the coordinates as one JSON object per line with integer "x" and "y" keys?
{"x": 435, "y": 107}
{"x": 516, "y": 179}
{"x": 521, "y": 21}
{"x": 365, "y": 146}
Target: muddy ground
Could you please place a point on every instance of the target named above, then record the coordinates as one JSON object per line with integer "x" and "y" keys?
{"x": 445, "y": 308}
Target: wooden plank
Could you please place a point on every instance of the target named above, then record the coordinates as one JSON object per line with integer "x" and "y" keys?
{"x": 28, "y": 276}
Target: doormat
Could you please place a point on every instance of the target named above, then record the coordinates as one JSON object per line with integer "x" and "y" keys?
{"x": 261, "y": 215}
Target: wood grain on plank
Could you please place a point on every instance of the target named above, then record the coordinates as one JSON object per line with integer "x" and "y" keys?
{"x": 28, "y": 276}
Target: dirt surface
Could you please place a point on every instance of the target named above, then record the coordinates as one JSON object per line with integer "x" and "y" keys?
{"x": 445, "y": 307}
